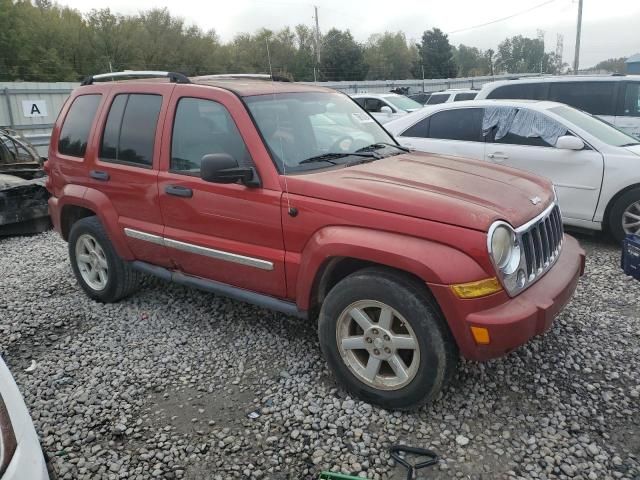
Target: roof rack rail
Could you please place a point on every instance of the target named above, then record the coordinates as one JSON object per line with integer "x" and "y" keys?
{"x": 173, "y": 76}
{"x": 246, "y": 76}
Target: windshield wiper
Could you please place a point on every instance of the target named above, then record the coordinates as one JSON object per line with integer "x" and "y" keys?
{"x": 329, "y": 157}
{"x": 379, "y": 145}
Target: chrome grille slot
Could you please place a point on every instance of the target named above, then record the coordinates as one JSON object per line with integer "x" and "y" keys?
{"x": 541, "y": 241}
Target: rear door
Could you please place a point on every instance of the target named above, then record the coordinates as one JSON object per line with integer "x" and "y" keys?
{"x": 125, "y": 164}
{"x": 455, "y": 132}
{"x": 628, "y": 111}
{"x": 229, "y": 233}
{"x": 577, "y": 175}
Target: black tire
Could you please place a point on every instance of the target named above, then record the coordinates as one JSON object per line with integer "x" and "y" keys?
{"x": 438, "y": 351}
{"x": 122, "y": 280}
{"x": 615, "y": 214}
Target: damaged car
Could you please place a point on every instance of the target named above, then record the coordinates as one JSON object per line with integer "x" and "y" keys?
{"x": 23, "y": 194}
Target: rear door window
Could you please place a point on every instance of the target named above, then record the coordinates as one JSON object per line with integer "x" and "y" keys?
{"x": 524, "y": 91}
{"x": 463, "y": 124}
{"x": 597, "y": 98}
{"x": 631, "y": 100}
{"x": 464, "y": 96}
{"x": 436, "y": 98}
{"x": 130, "y": 132}
{"x": 77, "y": 125}
{"x": 419, "y": 130}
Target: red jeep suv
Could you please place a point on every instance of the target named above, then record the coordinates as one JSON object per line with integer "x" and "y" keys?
{"x": 293, "y": 198}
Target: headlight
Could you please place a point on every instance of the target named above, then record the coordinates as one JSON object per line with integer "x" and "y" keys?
{"x": 504, "y": 248}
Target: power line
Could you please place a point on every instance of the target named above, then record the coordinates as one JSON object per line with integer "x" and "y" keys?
{"x": 502, "y": 19}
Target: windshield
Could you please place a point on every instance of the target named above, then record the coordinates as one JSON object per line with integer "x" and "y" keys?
{"x": 403, "y": 103}
{"x": 600, "y": 129}
{"x": 300, "y": 126}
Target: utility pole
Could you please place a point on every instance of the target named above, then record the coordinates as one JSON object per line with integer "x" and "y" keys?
{"x": 317, "y": 36}
{"x": 576, "y": 59}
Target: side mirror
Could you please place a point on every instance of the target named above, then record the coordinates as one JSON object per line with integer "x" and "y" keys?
{"x": 386, "y": 109}
{"x": 223, "y": 168}
{"x": 569, "y": 142}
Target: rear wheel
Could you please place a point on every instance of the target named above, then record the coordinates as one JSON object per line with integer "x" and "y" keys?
{"x": 624, "y": 217}
{"x": 101, "y": 273}
{"x": 385, "y": 339}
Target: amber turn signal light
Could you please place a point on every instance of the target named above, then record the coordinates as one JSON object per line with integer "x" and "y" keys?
{"x": 481, "y": 335}
{"x": 481, "y": 288}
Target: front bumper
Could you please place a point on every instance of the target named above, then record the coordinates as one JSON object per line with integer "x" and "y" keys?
{"x": 27, "y": 461}
{"x": 511, "y": 322}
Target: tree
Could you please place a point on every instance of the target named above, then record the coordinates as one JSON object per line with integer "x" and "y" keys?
{"x": 388, "y": 56}
{"x": 471, "y": 61}
{"x": 612, "y": 65}
{"x": 526, "y": 55}
{"x": 435, "y": 55}
{"x": 342, "y": 58}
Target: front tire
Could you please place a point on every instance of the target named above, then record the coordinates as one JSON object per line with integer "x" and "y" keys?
{"x": 101, "y": 273}
{"x": 624, "y": 217}
{"x": 384, "y": 337}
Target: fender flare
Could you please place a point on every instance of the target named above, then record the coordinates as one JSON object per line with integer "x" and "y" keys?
{"x": 98, "y": 202}
{"x": 430, "y": 261}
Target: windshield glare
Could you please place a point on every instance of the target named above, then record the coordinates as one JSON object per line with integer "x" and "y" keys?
{"x": 600, "y": 129}
{"x": 298, "y": 126}
{"x": 403, "y": 103}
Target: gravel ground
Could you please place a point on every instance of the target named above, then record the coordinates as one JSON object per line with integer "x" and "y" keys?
{"x": 161, "y": 386}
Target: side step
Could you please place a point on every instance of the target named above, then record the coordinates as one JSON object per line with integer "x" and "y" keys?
{"x": 271, "y": 303}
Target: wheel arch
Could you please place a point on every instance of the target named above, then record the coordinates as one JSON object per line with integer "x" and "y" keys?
{"x": 612, "y": 202}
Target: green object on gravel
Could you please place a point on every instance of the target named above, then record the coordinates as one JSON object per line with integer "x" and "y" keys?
{"x": 336, "y": 476}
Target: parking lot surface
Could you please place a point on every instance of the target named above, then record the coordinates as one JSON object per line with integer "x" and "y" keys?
{"x": 177, "y": 383}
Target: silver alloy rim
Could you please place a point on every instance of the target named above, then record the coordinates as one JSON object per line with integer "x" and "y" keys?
{"x": 631, "y": 218}
{"x": 378, "y": 345}
{"x": 92, "y": 262}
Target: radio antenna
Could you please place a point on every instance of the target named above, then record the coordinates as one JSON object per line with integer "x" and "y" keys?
{"x": 292, "y": 211}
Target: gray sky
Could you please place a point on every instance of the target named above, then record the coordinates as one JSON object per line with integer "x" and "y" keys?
{"x": 610, "y": 27}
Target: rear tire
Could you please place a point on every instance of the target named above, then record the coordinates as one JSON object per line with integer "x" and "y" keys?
{"x": 622, "y": 215}
{"x": 401, "y": 363}
{"x": 101, "y": 273}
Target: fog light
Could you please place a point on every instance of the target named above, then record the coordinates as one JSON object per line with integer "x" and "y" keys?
{"x": 477, "y": 289}
{"x": 480, "y": 335}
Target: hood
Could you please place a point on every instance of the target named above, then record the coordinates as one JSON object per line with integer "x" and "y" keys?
{"x": 634, "y": 149}
{"x": 453, "y": 190}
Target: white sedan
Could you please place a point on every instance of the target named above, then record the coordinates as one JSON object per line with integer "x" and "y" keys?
{"x": 594, "y": 166}
{"x": 385, "y": 107}
{"x": 20, "y": 453}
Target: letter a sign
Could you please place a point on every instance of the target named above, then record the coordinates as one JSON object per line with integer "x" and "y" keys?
{"x": 34, "y": 108}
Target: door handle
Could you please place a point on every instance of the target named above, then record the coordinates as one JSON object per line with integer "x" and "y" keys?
{"x": 98, "y": 175}
{"x": 498, "y": 156}
{"x": 178, "y": 191}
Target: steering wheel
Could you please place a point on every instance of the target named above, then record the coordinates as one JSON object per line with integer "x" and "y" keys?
{"x": 342, "y": 144}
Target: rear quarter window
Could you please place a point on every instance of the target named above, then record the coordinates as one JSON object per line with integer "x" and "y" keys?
{"x": 437, "y": 98}
{"x": 464, "y": 96}
{"x": 74, "y": 134}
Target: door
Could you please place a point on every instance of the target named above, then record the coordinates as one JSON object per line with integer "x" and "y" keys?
{"x": 125, "y": 165}
{"x": 628, "y": 112}
{"x": 577, "y": 175}
{"x": 455, "y": 132}
{"x": 229, "y": 233}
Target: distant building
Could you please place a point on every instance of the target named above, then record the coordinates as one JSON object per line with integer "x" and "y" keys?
{"x": 633, "y": 64}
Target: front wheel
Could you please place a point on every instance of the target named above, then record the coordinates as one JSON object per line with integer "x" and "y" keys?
{"x": 624, "y": 217}
{"x": 385, "y": 339}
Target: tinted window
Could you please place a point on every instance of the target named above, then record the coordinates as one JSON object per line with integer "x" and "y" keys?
{"x": 631, "y": 105}
{"x": 464, "y": 96}
{"x": 373, "y": 104}
{"x": 75, "y": 130}
{"x": 130, "y": 131}
{"x": 596, "y": 98}
{"x": 459, "y": 124}
{"x": 513, "y": 139}
{"x": 360, "y": 101}
{"x": 438, "y": 98}
{"x": 202, "y": 127}
{"x": 419, "y": 130}
{"x": 525, "y": 91}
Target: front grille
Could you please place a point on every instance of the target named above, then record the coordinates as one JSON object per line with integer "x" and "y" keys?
{"x": 541, "y": 240}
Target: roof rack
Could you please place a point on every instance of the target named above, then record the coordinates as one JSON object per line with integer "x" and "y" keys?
{"x": 173, "y": 76}
{"x": 245, "y": 76}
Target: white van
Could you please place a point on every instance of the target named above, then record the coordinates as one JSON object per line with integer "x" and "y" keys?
{"x": 614, "y": 98}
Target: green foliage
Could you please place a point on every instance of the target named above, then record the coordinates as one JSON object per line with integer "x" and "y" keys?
{"x": 612, "y": 65}
{"x": 388, "y": 56}
{"x": 526, "y": 55}
{"x": 471, "y": 61}
{"x": 342, "y": 58}
{"x": 435, "y": 55}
